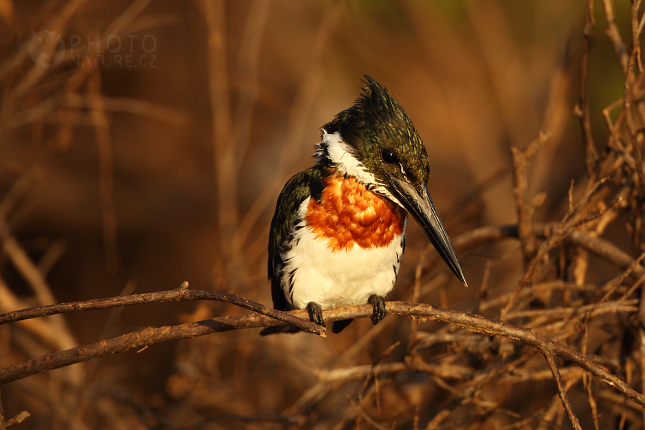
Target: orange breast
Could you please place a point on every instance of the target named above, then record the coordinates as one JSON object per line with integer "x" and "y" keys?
{"x": 349, "y": 214}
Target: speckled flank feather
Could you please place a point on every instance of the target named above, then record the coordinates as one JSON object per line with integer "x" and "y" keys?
{"x": 308, "y": 183}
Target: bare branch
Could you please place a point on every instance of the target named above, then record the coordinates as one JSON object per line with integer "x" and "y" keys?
{"x": 600, "y": 247}
{"x": 613, "y": 34}
{"x": 520, "y": 193}
{"x": 548, "y": 355}
{"x": 17, "y": 419}
{"x": 151, "y": 336}
{"x": 582, "y": 109}
{"x": 177, "y": 295}
{"x": 222, "y": 125}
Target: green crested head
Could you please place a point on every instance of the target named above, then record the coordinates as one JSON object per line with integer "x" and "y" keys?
{"x": 376, "y": 142}
{"x": 380, "y": 138}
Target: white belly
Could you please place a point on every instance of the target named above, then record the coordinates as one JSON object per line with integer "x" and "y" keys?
{"x": 313, "y": 273}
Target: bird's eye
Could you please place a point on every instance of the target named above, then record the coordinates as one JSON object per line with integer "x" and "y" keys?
{"x": 389, "y": 157}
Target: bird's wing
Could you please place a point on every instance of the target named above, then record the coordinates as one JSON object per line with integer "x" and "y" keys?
{"x": 302, "y": 185}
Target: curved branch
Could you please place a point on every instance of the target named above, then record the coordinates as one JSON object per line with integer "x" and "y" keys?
{"x": 180, "y": 294}
{"x": 151, "y": 336}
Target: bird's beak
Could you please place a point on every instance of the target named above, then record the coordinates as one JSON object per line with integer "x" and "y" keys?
{"x": 420, "y": 205}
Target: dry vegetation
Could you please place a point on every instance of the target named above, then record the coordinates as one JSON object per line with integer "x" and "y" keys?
{"x": 146, "y": 146}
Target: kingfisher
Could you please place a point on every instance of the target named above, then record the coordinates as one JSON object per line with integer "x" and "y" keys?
{"x": 338, "y": 232}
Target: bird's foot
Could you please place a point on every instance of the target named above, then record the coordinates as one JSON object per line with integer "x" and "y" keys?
{"x": 315, "y": 313}
{"x": 378, "y": 303}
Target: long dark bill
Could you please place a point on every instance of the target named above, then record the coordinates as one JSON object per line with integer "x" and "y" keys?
{"x": 420, "y": 205}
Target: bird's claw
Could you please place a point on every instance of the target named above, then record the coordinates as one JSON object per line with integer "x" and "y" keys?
{"x": 378, "y": 303}
{"x": 315, "y": 313}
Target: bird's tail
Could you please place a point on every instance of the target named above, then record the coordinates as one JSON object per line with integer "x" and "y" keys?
{"x": 279, "y": 329}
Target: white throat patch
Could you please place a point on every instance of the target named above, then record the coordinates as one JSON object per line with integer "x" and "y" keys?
{"x": 340, "y": 154}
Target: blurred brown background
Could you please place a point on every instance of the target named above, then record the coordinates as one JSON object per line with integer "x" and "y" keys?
{"x": 154, "y": 150}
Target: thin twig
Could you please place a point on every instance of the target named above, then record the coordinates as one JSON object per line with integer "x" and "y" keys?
{"x": 614, "y": 36}
{"x": 17, "y": 419}
{"x": 106, "y": 168}
{"x": 548, "y": 355}
{"x": 520, "y": 193}
{"x": 582, "y": 109}
{"x": 222, "y": 130}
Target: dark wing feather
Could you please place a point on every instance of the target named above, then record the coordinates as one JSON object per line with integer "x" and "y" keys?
{"x": 302, "y": 185}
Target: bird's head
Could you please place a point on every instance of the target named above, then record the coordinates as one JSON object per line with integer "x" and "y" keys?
{"x": 376, "y": 142}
